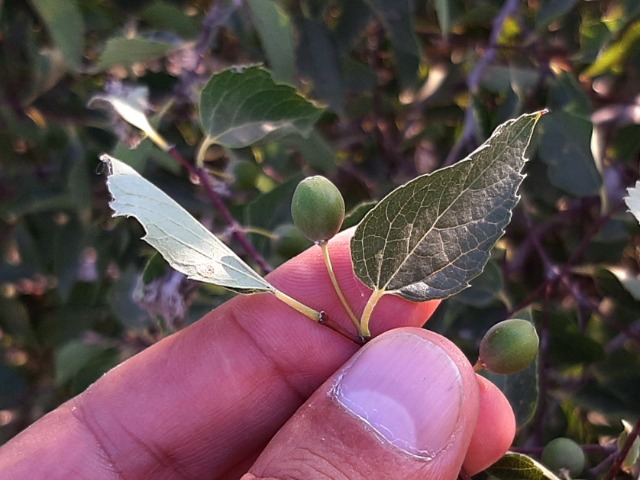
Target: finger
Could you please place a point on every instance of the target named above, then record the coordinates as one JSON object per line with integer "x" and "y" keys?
{"x": 202, "y": 401}
{"x": 405, "y": 406}
{"x": 307, "y": 276}
{"x": 494, "y": 431}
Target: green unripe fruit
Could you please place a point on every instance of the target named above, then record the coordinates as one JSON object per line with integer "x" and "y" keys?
{"x": 245, "y": 174}
{"x": 289, "y": 241}
{"x": 564, "y": 454}
{"x": 509, "y": 346}
{"x": 317, "y": 208}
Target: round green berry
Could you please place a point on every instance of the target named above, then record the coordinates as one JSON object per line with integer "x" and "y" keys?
{"x": 509, "y": 346}
{"x": 564, "y": 454}
{"x": 288, "y": 240}
{"x": 245, "y": 174}
{"x": 317, "y": 208}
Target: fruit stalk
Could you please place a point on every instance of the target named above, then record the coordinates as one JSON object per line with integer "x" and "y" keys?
{"x": 314, "y": 315}
{"x": 324, "y": 246}
{"x": 376, "y": 295}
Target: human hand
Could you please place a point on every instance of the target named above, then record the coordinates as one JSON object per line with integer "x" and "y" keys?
{"x": 255, "y": 387}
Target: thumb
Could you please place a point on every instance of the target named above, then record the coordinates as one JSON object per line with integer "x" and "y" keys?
{"x": 405, "y": 406}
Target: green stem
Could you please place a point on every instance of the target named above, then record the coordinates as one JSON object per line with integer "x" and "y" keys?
{"x": 158, "y": 139}
{"x": 479, "y": 366}
{"x": 368, "y": 310}
{"x": 300, "y": 307}
{"x": 202, "y": 150}
{"x": 324, "y": 246}
{"x": 260, "y": 231}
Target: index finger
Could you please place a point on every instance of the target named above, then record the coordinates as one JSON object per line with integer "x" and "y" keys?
{"x": 206, "y": 400}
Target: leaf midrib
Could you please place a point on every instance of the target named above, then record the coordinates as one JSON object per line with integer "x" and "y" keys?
{"x": 411, "y": 251}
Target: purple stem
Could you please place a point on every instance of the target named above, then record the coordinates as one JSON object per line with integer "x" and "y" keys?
{"x": 473, "y": 81}
{"x": 623, "y": 452}
{"x": 236, "y": 229}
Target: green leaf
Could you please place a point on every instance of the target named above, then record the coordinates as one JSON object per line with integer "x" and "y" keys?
{"x": 269, "y": 210}
{"x": 612, "y": 58}
{"x": 315, "y": 151}
{"x": 516, "y": 466}
{"x": 276, "y": 35}
{"x": 319, "y": 59}
{"x": 130, "y": 104}
{"x": 71, "y": 358}
{"x": 553, "y": 9}
{"x": 166, "y": 16}
{"x": 565, "y": 148}
{"x": 127, "y": 51}
{"x": 397, "y": 18}
{"x": 64, "y": 22}
{"x": 239, "y": 107}
{"x": 485, "y": 288}
{"x": 183, "y": 241}
{"x": 633, "y": 200}
{"x": 428, "y": 238}
{"x": 443, "y": 10}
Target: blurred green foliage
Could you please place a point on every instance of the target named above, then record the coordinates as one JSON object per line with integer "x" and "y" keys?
{"x": 408, "y": 87}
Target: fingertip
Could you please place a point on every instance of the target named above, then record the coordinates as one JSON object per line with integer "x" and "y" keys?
{"x": 404, "y": 406}
{"x": 495, "y": 429}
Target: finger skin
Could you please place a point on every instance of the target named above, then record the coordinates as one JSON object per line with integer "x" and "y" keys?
{"x": 204, "y": 399}
{"x": 494, "y": 431}
{"x": 203, "y": 402}
{"x": 323, "y": 440}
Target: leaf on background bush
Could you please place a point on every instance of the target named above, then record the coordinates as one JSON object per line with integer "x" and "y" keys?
{"x": 65, "y": 24}
{"x": 428, "y": 238}
{"x": 612, "y": 58}
{"x": 239, "y": 107}
{"x": 269, "y": 210}
{"x": 71, "y": 358}
{"x": 633, "y": 200}
{"x": 516, "y": 466}
{"x": 131, "y": 103}
{"x": 145, "y": 152}
{"x": 315, "y": 151}
{"x": 319, "y": 59}
{"x": 553, "y": 9}
{"x": 161, "y": 15}
{"x": 443, "y": 10}
{"x": 49, "y": 66}
{"x": 397, "y": 18}
{"x": 127, "y": 51}
{"x": 276, "y": 35}
{"x": 485, "y": 288}
{"x": 183, "y": 241}
{"x": 565, "y": 147}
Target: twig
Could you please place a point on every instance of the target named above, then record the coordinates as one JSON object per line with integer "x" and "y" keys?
{"x": 217, "y": 16}
{"x": 577, "y": 254}
{"x": 236, "y": 229}
{"x": 624, "y": 451}
{"x": 473, "y": 81}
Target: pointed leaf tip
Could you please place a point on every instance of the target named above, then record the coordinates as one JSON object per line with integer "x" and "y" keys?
{"x": 183, "y": 241}
{"x": 428, "y": 238}
{"x": 242, "y": 106}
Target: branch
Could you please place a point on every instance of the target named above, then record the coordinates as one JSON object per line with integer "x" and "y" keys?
{"x": 624, "y": 451}
{"x": 218, "y": 15}
{"x": 473, "y": 81}
{"x": 236, "y": 229}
